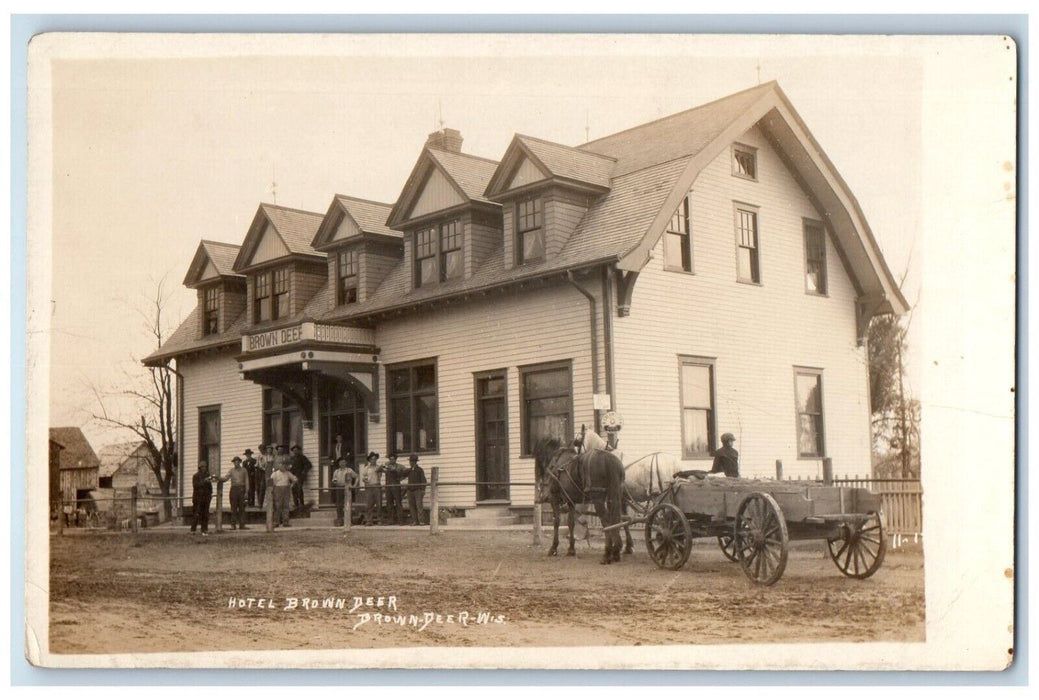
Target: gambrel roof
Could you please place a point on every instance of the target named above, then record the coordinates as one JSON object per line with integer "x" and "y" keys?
{"x": 294, "y": 228}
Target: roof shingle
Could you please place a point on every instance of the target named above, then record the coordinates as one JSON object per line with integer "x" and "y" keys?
{"x": 296, "y": 227}
{"x": 78, "y": 454}
{"x": 569, "y": 162}
{"x": 472, "y": 173}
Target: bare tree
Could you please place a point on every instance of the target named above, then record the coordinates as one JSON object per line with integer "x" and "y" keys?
{"x": 146, "y": 406}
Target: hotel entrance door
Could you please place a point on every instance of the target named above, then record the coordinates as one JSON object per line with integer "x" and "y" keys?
{"x": 343, "y": 414}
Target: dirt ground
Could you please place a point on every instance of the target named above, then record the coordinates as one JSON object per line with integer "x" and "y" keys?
{"x": 171, "y": 591}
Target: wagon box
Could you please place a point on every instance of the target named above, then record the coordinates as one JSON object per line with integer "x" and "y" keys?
{"x": 755, "y": 519}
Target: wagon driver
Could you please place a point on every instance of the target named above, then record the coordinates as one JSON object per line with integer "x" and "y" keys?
{"x": 727, "y": 459}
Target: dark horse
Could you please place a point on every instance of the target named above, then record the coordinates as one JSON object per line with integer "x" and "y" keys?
{"x": 568, "y": 478}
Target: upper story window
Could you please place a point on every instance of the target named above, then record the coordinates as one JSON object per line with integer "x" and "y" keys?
{"x": 815, "y": 258}
{"x": 413, "y": 406}
{"x": 677, "y": 244}
{"x": 271, "y": 295}
{"x": 530, "y": 233}
{"x": 745, "y": 161}
{"x": 438, "y": 253}
{"x": 808, "y": 384}
{"x": 211, "y": 312}
{"x": 747, "y": 267}
{"x": 346, "y": 277}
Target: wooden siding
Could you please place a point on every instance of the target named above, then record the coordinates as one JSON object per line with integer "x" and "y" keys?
{"x": 304, "y": 283}
{"x": 526, "y": 173}
{"x": 74, "y": 480}
{"x": 757, "y": 334}
{"x": 209, "y": 273}
{"x": 562, "y": 215}
{"x": 212, "y": 380}
{"x": 250, "y": 292}
{"x": 409, "y": 261}
{"x": 232, "y": 303}
{"x": 376, "y": 262}
{"x": 269, "y": 247}
{"x": 346, "y": 228}
{"x": 498, "y": 332}
{"x": 437, "y": 194}
{"x": 508, "y": 236}
{"x": 482, "y": 237}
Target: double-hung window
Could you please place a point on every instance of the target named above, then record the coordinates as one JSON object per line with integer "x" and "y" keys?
{"x": 808, "y": 387}
{"x": 747, "y": 265}
{"x": 530, "y": 233}
{"x": 815, "y": 258}
{"x": 677, "y": 244}
{"x": 281, "y": 293}
{"x": 209, "y": 437}
{"x": 547, "y": 402}
{"x": 211, "y": 321}
{"x": 262, "y": 297}
{"x": 346, "y": 277}
{"x": 413, "y": 407}
{"x": 697, "y": 397}
{"x": 438, "y": 253}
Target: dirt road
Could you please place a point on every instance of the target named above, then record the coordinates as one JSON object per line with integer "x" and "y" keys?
{"x": 177, "y": 592}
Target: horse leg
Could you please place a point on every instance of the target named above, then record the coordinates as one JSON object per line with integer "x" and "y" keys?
{"x": 571, "y": 517}
{"x": 629, "y": 544}
{"x": 600, "y": 512}
{"x": 555, "y": 529}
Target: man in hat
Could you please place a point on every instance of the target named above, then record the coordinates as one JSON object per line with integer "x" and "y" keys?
{"x": 282, "y": 481}
{"x": 300, "y": 466}
{"x": 264, "y": 470}
{"x": 394, "y": 504}
{"x": 726, "y": 459}
{"x": 251, "y": 469}
{"x": 416, "y": 488}
{"x": 239, "y": 478}
{"x": 370, "y": 481}
{"x": 342, "y": 478}
{"x": 201, "y": 496}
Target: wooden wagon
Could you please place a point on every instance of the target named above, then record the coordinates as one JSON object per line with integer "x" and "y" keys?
{"x": 755, "y": 519}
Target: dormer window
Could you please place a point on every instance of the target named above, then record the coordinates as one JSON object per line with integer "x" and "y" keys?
{"x": 346, "y": 277}
{"x": 438, "y": 253}
{"x": 744, "y": 161}
{"x": 530, "y": 234}
{"x": 271, "y": 295}
{"x": 211, "y": 312}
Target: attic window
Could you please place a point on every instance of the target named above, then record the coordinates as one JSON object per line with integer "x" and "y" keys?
{"x": 745, "y": 161}
{"x": 211, "y": 318}
{"x": 438, "y": 253}
{"x": 346, "y": 277}
{"x": 530, "y": 235}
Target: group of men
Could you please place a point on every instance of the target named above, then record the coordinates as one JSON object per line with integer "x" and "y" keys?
{"x": 284, "y": 475}
{"x": 378, "y": 477}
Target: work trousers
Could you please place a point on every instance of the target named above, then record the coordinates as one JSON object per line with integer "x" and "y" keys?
{"x": 374, "y": 505}
{"x": 238, "y": 506}
{"x": 415, "y": 496}
{"x": 394, "y": 505}
{"x": 200, "y": 513}
{"x": 250, "y": 492}
{"x": 261, "y": 488}
{"x": 282, "y": 504}
{"x": 339, "y": 496}
{"x": 297, "y": 491}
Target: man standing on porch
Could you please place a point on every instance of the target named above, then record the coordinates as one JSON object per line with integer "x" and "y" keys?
{"x": 370, "y": 481}
{"x": 342, "y": 478}
{"x": 300, "y": 467}
{"x": 282, "y": 480}
{"x": 416, "y": 489}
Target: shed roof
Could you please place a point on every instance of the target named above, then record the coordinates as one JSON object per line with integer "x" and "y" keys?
{"x": 78, "y": 454}
{"x": 112, "y": 457}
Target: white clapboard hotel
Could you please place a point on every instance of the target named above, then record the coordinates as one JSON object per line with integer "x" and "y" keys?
{"x": 707, "y": 272}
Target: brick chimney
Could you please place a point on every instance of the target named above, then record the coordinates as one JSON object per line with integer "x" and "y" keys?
{"x": 446, "y": 140}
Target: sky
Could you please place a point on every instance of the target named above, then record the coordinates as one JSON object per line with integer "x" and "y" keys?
{"x": 152, "y": 153}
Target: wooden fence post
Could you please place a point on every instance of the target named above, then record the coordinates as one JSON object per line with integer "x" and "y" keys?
{"x": 779, "y": 470}
{"x": 133, "y": 509}
{"x": 219, "y": 504}
{"x": 348, "y": 508}
{"x": 828, "y": 471}
{"x": 434, "y": 502}
{"x": 537, "y": 522}
{"x": 268, "y": 505}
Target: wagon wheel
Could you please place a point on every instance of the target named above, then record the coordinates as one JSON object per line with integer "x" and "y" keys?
{"x": 859, "y": 551}
{"x": 728, "y": 547}
{"x": 761, "y": 538}
{"x": 669, "y": 539}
